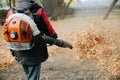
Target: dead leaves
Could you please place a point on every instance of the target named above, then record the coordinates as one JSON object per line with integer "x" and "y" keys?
{"x": 102, "y": 45}
{"x": 6, "y": 59}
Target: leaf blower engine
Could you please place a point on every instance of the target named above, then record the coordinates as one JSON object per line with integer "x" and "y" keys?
{"x": 18, "y": 33}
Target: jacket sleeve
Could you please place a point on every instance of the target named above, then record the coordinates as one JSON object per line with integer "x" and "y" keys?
{"x": 47, "y": 27}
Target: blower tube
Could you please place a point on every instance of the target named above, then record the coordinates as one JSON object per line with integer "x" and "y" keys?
{"x": 57, "y": 42}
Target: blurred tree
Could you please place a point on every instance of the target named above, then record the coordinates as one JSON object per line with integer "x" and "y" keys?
{"x": 0, "y": 3}
{"x": 14, "y": 1}
{"x": 10, "y": 1}
{"x": 66, "y": 9}
{"x": 57, "y": 9}
{"x": 3, "y": 3}
{"x": 110, "y": 9}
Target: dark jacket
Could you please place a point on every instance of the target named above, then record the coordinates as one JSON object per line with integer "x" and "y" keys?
{"x": 39, "y": 52}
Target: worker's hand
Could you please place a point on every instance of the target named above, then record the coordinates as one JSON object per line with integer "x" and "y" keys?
{"x": 54, "y": 35}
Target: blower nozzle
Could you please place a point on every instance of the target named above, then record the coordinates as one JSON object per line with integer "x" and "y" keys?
{"x": 57, "y": 42}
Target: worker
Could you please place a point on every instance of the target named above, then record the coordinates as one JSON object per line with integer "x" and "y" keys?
{"x": 31, "y": 59}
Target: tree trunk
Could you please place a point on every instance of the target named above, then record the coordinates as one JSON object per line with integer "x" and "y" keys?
{"x": 14, "y": 2}
{"x": 10, "y": 3}
{"x": 57, "y": 9}
{"x": 0, "y": 4}
{"x": 66, "y": 9}
{"x": 110, "y": 9}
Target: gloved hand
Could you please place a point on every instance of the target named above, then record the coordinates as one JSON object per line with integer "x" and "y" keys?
{"x": 54, "y": 35}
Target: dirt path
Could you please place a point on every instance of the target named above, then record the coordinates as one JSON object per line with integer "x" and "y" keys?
{"x": 61, "y": 64}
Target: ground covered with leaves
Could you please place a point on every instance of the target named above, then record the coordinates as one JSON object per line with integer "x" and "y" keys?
{"x": 95, "y": 56}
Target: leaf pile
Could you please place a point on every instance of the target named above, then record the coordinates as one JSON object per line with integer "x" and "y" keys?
{"x": 6, "y": 59}
{"x": 102, "y": 45}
